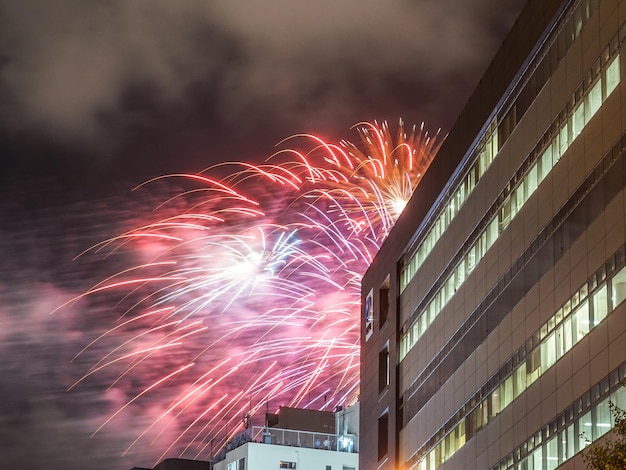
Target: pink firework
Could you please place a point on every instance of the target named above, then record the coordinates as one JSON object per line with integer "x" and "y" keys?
{"x": 244, "y": 292}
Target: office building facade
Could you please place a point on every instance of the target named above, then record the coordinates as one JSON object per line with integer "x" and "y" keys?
{"x": 494, "y": 321}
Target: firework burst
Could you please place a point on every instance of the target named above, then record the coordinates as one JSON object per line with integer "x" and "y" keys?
{"x": 245, "y": 291}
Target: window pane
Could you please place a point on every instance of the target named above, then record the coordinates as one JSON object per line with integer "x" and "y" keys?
{"x": 580, "y": 322}
{"x": 563, "y": 140}
{"x": 552, "y": 454}
{"x": 600, "y": 305}
{"x": 619, "y": 397}
{"x": 520, "y": 379}
{"x": 602, "y": 420}
{"x": 571, "y": 441}
{"x": 578, "y": 121}
{"x": 548, "y": 352}
{"x": 612, "y": 75}
{"x": 531, "y": 180}
{"x": 619, "y": 287}
{"x": 505, "y": 214}
{"x": 593, "y": 100}
{"x": 546, "y": 162}
{"x": 567, "y": 334}
{"x": 492, "y": 233}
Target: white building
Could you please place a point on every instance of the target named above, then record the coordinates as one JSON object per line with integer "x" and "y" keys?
{"x": 276, "y": 448}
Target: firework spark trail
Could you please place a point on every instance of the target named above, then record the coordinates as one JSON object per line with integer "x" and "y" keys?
{"x": 269, "y": 259}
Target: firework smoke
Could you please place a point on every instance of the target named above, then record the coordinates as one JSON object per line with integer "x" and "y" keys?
{"x": 243, "y": 291}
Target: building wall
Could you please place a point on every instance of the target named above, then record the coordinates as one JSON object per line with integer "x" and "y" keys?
{"x": 265, "y": 456}
{"x": 488, "y": 328}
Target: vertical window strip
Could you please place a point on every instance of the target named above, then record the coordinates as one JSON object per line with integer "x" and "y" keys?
{"x": 513, "y": 202}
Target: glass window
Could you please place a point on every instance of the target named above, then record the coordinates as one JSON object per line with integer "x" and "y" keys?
{"x": 571, "y": 441}
{"x": 384, "y": 305}
{"x": 470, "y": 259}
{"x": 578, "y": 121}
{"x": 519, "y": 383}
{"x": 548, "y": 352}
{"x": 531, "y": 181}
{"x": 533, "y": 366}
{"x": 449, "y": 289}
{"x": 600, "y": 305}
{"x": 552, "y": 454}
{"x": 460, "y": 434}
{"x": 563, "y": 139}
{"x": 586, "y": 429}
{"x": 505, "y": 214}
{"x": 494, "y": 403}
{"x": 537, "y": 459}
{"x": 460, "y": 273}
{"x": 567, "y": 334}
{"x": 383, "y": 369}
{"x": 383, "y": 436}
{"x": 580, "y": 322}
{"x": 506, "y": 392}
{"x": 560, "y": 342}
{"x": 449, "y": 443}
{"x": 612, "y": 75}
{"x": 555, "y": 150}
{"x": 492, "y": 233}
{"x": 619, "y": 397}
{"x": 618, "y": 285}
{"x": 546, "y": 162}
{"x": 518, "y": 199}
{"x": 482, "y": 163}
{"x": 593, "y": 100}
{"x": 602, "y": 421}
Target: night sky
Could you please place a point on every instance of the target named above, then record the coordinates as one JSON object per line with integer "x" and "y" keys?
{"x": 96, "y": 97}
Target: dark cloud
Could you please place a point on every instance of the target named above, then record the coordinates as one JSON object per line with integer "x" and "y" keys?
{"x": 151, "y": 86}
{"x": 97, "y": 96}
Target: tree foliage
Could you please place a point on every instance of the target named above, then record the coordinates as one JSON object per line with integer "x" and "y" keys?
{"x": 610, "y": 454}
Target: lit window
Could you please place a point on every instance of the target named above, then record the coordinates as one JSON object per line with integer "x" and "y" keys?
{"x": 578, "y": 121}
{"x": 619, "y": 288}
{"x": 593, "y": 100}
{"x": 612, "y": 75}
{"x": 600, "y": 304}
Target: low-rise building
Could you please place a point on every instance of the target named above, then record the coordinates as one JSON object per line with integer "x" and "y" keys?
{"x": 297, "y": 439}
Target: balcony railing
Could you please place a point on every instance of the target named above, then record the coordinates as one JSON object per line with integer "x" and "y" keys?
{"x": 311, "y": 440}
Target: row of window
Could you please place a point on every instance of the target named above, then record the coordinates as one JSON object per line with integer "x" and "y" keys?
{"x": 486, "y": 155}
{"x": 558, "y": 335}
{"x": 496, "y": 135}
{"x": 561, "y": 135}
{"x": 585, "y": 421}
{"x": 559, "y": 235}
